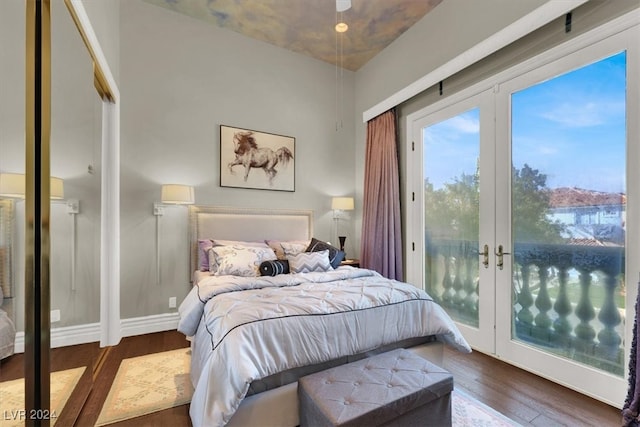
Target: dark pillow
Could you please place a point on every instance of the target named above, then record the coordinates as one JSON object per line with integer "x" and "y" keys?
{"x": 335, "y": 255}
{"x": 274, "y": 267}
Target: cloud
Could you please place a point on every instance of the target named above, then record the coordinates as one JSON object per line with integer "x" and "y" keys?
{"x": 464, "y": 124}
{"x": 589, "y": 114}
{"x": 453, "y": 129}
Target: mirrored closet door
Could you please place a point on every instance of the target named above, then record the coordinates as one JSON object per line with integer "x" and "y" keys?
{"x": 74, "y": 215}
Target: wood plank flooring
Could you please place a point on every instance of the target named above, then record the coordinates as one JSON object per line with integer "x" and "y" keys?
{"x": 524, "y": 397}
{"x": 520, "y": 395}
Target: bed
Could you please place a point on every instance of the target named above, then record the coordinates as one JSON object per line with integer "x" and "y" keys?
{"x": 253, "y": 335}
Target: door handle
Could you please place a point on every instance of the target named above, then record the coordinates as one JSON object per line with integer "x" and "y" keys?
{"x": 499, "y": 254}
{"x": 485, "y": 256}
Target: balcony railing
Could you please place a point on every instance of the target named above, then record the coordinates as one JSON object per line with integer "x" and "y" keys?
{"x": 564, "y": 296}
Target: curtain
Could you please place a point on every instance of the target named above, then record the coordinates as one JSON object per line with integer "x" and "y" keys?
{"x": 631, "y": 406}
{"x": 381, "y": 242}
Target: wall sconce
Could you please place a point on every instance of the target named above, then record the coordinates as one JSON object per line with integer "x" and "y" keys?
{"x": 340, "y": 204}
{"x": 12, "y": 185}
{"x": 56, "y": 188}
{"x": 170, "y": 194}
{"x": 175, "y": 194}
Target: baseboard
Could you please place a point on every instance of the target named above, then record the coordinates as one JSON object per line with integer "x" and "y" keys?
{"x": 65, "y": 336}
{"x": 82, "y": 334}
{"x": 149, "y": 324}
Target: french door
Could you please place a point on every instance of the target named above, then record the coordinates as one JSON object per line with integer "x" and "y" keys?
{"x": 524, "y": 193}
{"x": 457, "y": 147}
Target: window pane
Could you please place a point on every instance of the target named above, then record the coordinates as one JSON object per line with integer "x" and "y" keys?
{"x": 568, "y": 213}
{"x": 451, "y": 187}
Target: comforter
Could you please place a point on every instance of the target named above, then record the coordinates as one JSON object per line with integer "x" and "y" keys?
{"x": 246, "y": 329}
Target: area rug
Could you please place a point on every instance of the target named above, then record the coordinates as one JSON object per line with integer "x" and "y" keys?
{"x": 12, "y": 396}
{"x": 151, "y": 383}
{"x": 468, "y": 412}
{"x": 147, "y": 384}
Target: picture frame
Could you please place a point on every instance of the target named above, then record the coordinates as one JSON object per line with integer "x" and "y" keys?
{"x": 256, "y": 160}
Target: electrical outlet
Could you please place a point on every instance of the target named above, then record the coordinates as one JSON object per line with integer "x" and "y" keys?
{"x": 172, "y": 302}
{"x": 55, "y": 316}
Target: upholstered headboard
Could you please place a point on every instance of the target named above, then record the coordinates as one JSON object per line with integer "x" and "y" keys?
{"x": 247, "y": 224}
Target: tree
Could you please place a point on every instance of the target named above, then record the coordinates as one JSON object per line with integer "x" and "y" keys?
{"x": 452, "y": 211}
{"x": 530, "y": 202}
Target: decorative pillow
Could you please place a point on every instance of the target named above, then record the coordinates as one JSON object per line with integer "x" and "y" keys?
{"x": 335, "y": 255}
{"x": 293, "y": 246}
{"x": 204, "y": 262}
{"x": 306, "y": 262}
{"x": 203, "y": 254}
{"x": 239, "y": 260}
{"x": 274, "y": 267}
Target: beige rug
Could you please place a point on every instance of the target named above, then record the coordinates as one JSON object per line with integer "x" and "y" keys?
{"x": 147, "y": 384}
{"x": 468, "y": 412}
{"x": 12, "y": 396}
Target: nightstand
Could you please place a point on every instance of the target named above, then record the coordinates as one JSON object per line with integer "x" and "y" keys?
{"x": 351, "y": 262}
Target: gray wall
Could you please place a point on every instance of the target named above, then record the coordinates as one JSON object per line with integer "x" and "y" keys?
{"x": 180, "y": 80}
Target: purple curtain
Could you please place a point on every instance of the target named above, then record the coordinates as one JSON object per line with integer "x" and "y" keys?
{"x": 632, "y": 402}
{"x": 381, "y": 243}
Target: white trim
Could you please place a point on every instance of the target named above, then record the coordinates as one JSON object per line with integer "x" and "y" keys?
{"x": 150, "y": 324}
{"x": 110, "y": 194}
{"x": 83, "y": 334}
{"x": 65, "y": 336}
{"x": 92, "y": 39}
{"x": 523, "y": 26}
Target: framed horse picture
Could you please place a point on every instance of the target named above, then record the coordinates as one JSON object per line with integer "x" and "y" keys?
{"x": 259, "y": 160}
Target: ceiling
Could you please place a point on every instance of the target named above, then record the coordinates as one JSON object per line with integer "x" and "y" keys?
{"x": 307, "y": 26}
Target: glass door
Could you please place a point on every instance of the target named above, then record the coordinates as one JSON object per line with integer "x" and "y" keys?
{"x": 566, "y": 207}
{"x": 456, "y": 148}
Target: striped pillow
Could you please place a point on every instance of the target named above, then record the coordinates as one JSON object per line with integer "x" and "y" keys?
{"x": 306, "y": 262}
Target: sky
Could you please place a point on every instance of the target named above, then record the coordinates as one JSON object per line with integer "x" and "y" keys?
{"x": 571, "y": 128}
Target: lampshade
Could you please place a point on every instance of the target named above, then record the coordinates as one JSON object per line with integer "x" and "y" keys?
{"x": 13, "y": 185}
{"x": 342, "y": 203}
{"x": 56, "y": 191}
{"x": 176, "y": 194}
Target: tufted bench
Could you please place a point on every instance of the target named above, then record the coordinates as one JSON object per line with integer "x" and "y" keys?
{"x": 393, "y": 388}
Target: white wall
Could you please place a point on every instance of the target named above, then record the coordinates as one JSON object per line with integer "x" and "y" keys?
{"x": 180, "y": 79}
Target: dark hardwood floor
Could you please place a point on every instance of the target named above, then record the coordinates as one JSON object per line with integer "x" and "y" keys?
{"x": 522, "y": 396}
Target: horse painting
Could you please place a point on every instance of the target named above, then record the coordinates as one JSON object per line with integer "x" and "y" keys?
{"x": 249, "y": 155}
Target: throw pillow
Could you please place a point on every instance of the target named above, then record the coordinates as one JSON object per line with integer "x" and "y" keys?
{"x": 274, "y": 267}
{"x": 335, "y": 255}
{"x": 239, "y": 260}
{"x": 306, "y": 262}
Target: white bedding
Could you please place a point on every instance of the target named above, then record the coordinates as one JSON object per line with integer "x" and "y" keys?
{"x": 249, "y": 328}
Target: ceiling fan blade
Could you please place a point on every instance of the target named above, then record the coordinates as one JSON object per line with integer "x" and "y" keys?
{"x": 342, "y": 5}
